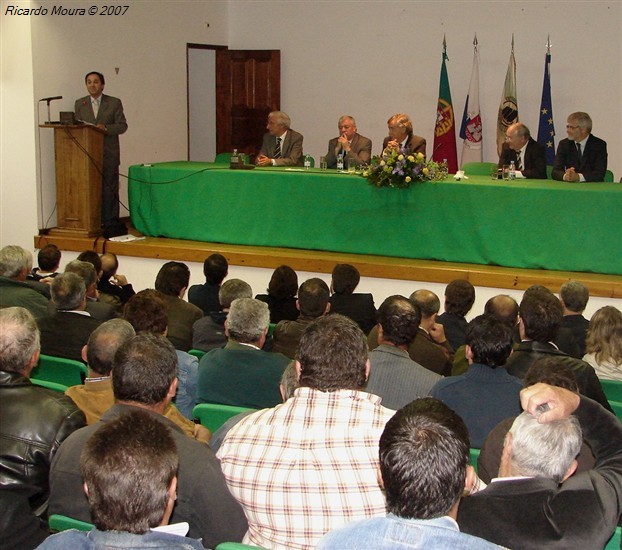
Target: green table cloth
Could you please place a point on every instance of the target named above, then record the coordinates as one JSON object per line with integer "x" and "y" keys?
{"x": 538, "y": 224}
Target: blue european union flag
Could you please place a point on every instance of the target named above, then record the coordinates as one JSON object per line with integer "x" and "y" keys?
{"x": 546, "y": 127}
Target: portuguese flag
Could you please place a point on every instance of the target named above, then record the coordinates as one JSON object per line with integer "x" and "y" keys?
{"x": 445, "y": 129}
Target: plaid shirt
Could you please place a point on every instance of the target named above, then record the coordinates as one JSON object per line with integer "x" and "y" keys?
{"x": 307, "y": 466}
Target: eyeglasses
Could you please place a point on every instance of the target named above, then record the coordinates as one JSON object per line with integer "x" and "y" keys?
{"x": 570, "y": 127}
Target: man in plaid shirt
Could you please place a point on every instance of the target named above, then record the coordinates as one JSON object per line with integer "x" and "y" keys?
{"x": 310, "y": 464}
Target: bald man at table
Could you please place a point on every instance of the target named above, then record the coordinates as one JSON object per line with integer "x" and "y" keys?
{"x": 281, "y": 146}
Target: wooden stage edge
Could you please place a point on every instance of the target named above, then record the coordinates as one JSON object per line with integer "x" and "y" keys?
{"x": 608, "y": 286}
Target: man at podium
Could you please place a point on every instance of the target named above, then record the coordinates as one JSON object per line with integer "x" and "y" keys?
{"x": 106, "y": 113}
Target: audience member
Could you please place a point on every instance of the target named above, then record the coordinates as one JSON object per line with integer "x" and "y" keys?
{"x": 205, "y": 296}
{"x": 528, "y": 156}
{"x": 281, "y": 146}
{"x": 359, "y": 307}
{"x": 486, "y": 394}
{"x": 547, "y": 370}
{"x": 48, "y": 259}
{"x": 209, "y": 332}
{"x": 424, "y": 465}
{"x": 352, "y": 146}
{"x": 127, "y": 504}
{"x": 459, "y": 299}
{"x": 172, "y": 282}
{"x": 535, "y": 503}
{"x": 67, "y": 331}
{"x": 574, "y": 297}
{"x": 318, "y": 450}
{"x": 147, "y": 312}
{"x": 113, "y": 287}
{"x": 581, "y": 156}
{"x": 35, "y": 420}
{"x": 394, "y": 376}
{"x": 281, "y": 297}
{"x": 402, "y": 137}
{"x": 96, "y": 309}
{"x": 15, "y": 264}
{"x": 20, "y": 529}
{"x": 241, "y": 374}
{"x": 93, "y": 258}
{"x": 144, "y": 376}
{"x": 604, "y": 343}
{"x": 313, "y": 302}
{"x": 540, "y": 319}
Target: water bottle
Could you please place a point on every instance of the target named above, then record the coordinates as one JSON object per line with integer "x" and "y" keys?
{"x": 307, "y": 162}
{"x": 235, "y": 159}
{"x": 340, "y": 161}
{"x": 512, "y": 174}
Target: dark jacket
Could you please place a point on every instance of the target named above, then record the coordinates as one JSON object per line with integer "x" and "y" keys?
{"x": 35, "y": 421}
{"x": 358, "y": 307}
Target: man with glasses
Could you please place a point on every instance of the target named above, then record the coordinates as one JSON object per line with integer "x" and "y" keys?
{"x": 582, "y": 156}
{"x": 528, "y": 155}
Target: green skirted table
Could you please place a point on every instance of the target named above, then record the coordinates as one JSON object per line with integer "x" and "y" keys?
{"x": 537, "y": 224}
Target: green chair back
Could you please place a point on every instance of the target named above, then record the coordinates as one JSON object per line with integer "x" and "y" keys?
{"x": 236, "y": 546}
{"x": 213, "y": 415}
{"x": 479, "y": 168}
{"x": 60, "y": 370}
{"x": 474, "y": 457}
{"x": 198, "y": 353}
{"x": 608, "y": 176}
{"x": 57, "y": 523}
{"x": 271, "y": 328}
{"x": 617, "y": 408}
{"x": 615, "y": 542}
{"x": 549, "y": 171}
{"x": 49, "y": 385}
{"x": 612, "y": 389}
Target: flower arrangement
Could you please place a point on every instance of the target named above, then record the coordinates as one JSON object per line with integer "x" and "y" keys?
{"x": 398, "y": 168}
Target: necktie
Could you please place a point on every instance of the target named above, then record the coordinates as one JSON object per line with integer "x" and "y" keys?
{"x": 95, "y": 107}
{"x": 519, "y": 164}
{"x": 277, "y": 150}
{"x": 579, "y": 152}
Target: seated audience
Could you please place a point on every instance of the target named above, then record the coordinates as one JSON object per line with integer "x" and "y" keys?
{"x": 172, "y": 282}
{"x": 352, "y": 146}
{"x": 48, "y": 259}
{"x": 205, "y": 296}
{"x": 113, "y": 286}
{"x": 15, "y": 264}
{"x": 604, "y": 343}
{"x": 35, "y": 420}
{"x": 241, "y": 374}
{"x": 128, "y": 504}
{"x": 209, "y": 332}
{"x": 281, "y": 297}
{"x": 144, "y": 377}
{"x": 540, "y": 318}
{"x": 424, "y": 465}
{"x": 394, "y": 376}
{"x": 96, "y": 309}
{"x": 359, "y": 307}
{"x": 536, "y": 502}
{"x": 574, "y": 297}
{"x": 402, "y": 137}
{"x": 486, "y": 394}
{"x": 459, "y": 299}
{"x": 313, "y": 302}
{"x": 67, "y": 331}
{"x": 93, "y": 258}
{"x": 318, "y": 451}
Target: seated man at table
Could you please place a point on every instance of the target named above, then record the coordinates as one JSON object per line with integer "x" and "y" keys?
{"x": 528, "y": 155}
{"x": 350, "y": 144}
{"x": 281, "y": 146}
{"x": 581, "y": 156}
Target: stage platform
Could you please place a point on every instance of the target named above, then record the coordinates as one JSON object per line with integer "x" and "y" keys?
{"x": 607, "y": 286}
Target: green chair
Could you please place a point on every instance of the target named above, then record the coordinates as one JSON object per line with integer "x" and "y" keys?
{"x": 236, "y": 546}
{"x": 474, "y": 457}
{"x": 549, "y": 172}
{"x": 479, "y": 168}
{"x": 60, "y": 370}
{"x": 271, "y": 328}
{"x": 57, "y": 523}
{"x": 608, "y": 176}
{"x": 198, "y": 353}
{"x": 615, "y": 542}
{"x": 617, "y": 408}
{"x": 612, "y": 389}
{"x": 49, "y": 385}
{"x": 213, "y": 415}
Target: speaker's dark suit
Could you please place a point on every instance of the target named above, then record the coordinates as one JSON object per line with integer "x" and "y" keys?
{"x": 291, "y": 149}
{"x": 580, "y": 513}
{"x": 110, "y": 114}
{"x": 65, "y": 333}
{"x": 593, "y": 163}
{"x": 415, "y": 144}
{"x": 534, "y": 161}
{"x": 360, "y": 151}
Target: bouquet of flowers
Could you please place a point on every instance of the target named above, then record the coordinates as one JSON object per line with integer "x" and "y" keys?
{"x": 398, "y": 168}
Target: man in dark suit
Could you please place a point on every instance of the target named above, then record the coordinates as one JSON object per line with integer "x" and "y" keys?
{"x": 353, "y": 146}
{"x": 281, "y": 146}
{"x": 542, "y": 506}
{"x": 528, "y": 155}
{"x": 401, "y": 135}
{"x": 106, "y": 113}
{"x": 359, "y": 307}
{"x": 582, "y": 156}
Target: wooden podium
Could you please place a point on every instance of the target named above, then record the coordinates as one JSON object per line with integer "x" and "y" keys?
{"x": 79, "y": 156}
